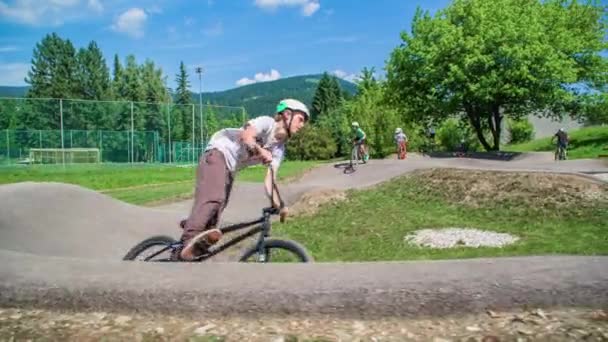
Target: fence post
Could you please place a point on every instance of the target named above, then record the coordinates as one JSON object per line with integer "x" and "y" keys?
{"x": 169, "y": 135}
{"x": 100, "y": 149}
{"x": 8, "y": 148}
{"x": 193, "y": 142}
{"x": 132, "y": 124}
{"x": 62, "y": 144}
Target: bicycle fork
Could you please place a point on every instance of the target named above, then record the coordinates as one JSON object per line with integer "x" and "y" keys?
{"x": 260, "y": 245}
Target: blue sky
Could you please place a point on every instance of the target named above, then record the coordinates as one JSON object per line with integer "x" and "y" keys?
{"x": 236, "y": 41}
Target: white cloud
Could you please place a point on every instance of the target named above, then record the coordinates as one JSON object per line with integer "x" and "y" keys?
{"x": 214, "y": 30}
{"x": 345, "y": 75}
{"x": 52, "y": 12}
{"x": 260, "y": 77}
{"x": 13, "y": 74}
{"x": 308, "y": 7}
{"x": 8, "y": 48}
{"x": 131, "y": 22}
{"x": 96, "y": 6}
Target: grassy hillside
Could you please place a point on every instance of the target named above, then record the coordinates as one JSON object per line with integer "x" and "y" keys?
{"x": 541, "y": 210}
{"x": 8, "y": 91}
{"x": 262, "y": 98}
{"x": 258, "y": 99}
{"x": 587, "y": 142}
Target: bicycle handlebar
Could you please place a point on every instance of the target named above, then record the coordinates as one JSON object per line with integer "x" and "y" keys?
{"x": 280, "y": 210}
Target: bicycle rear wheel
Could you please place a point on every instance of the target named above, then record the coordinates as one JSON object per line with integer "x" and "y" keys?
{"x": 277, "y": 251}
{"x": 156, "y": 248}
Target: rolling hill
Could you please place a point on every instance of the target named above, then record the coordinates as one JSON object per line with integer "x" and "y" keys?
{"x": 258, "y": 99}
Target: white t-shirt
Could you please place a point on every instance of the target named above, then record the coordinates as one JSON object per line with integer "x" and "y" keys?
{"x": 237, "y": 157}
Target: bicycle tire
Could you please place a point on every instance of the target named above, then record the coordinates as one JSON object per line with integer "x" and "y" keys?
{"x": 354, "y": 158}
{"x": 288, "y": 245}
{"x": 159, "y": 240}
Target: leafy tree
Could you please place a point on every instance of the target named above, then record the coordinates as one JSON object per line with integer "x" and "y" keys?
{"x": 521, "y": 130}
{"x": 311, "y": 143}
{"x": 486, "y": 59}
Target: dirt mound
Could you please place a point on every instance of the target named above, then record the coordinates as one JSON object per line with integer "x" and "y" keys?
{"x": 478, "y": 187}
{"x": 310, "y": 202}
{"x": 56, "y": 219}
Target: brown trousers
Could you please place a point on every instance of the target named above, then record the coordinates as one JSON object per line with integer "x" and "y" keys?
{"x": 213, "y": 186}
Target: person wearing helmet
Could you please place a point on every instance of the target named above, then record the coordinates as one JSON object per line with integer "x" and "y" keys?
{"x": 359, "y": 140}
{"x": 401, "y": 141}
{"x": 260, "y": 141}
{"x": 562, "y": 142}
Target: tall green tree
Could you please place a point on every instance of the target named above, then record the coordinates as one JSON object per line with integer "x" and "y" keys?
{"x": 52, "y": 75}
{"x": 117, "y": 72}
{"x": 367, "y": 81}
{"x": 130, "y": 88}
{"x": 487, "y": 59}
{"x": 93, "y": 84}
{"x": 53, "y": 72}
{"x": 93, "y": 74}
{"x": 183, "y": 101}
{"x": 328, "y": 96}
{"x": 155, "y": 94}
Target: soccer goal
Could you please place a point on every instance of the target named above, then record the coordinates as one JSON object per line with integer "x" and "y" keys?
{"x": 68, "y": 155}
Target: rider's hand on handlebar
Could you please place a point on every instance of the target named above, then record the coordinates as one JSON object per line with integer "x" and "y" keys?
{"x": 283, "y": 214}
{"x": 265, "y": 155}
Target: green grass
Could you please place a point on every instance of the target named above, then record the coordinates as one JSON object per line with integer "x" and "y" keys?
{"x": 137, "y": 184}
{"x": 371, "y": 225}
{"x": 587, "y": 142}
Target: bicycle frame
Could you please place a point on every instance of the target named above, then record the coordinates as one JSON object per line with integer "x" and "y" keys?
{"x": 262, "y": 226}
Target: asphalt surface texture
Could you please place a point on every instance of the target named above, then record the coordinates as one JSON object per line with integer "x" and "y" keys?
{"x": 61, "y": 247}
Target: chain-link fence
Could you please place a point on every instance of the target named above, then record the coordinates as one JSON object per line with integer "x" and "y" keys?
{"x": 65, "y": 131}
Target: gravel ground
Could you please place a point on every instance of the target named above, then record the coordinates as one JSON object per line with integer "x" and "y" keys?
{"x": 531, "y": 325}
{"x": 453, "y": 237}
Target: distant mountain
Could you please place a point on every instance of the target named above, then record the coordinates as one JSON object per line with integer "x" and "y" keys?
{"x": 8, "y": 91}
{"x": 262, "y": 98}
{"x": 258, "y": 98}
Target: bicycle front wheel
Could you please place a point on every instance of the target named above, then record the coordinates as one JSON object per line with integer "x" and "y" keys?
{"x": 277, "y": 251}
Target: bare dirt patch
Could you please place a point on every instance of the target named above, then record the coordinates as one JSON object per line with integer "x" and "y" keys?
{"x": 477, "y": 187}
{"x": 312, "y": 201}
{"x": 531, "y": 325}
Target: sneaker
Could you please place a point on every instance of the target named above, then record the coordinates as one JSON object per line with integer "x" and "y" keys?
{"x": 200, "y": 243}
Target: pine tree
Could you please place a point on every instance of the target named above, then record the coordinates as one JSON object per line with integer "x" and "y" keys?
{"x": 53, "y": 75}
{"x": 117, "y": 78}
{"x": 183, "y": 100}
{"x": 93, "y": 84}
{"x": 328, "y": 96}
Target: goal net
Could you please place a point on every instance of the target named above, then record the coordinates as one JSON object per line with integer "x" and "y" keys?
{"x": 68, "y": 155}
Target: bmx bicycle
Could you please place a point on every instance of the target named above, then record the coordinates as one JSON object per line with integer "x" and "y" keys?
{"x": 560, "y": 153}
{"x": 355, "y": 159}
{"x": 160, "y": 248}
